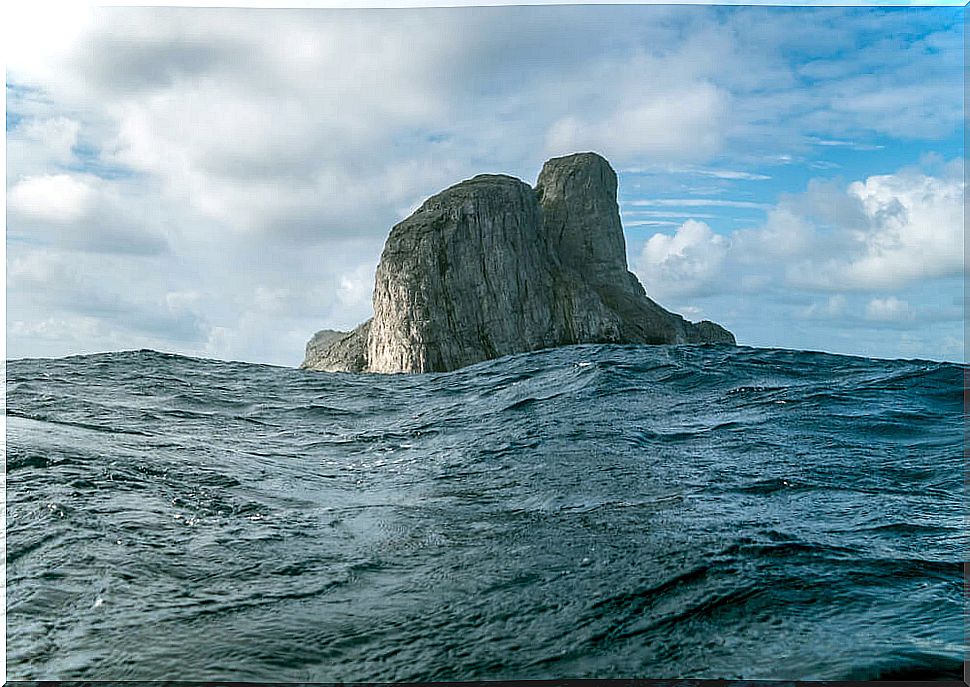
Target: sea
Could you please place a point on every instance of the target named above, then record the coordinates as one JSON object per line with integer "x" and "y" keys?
{"x": 597, "y": 511}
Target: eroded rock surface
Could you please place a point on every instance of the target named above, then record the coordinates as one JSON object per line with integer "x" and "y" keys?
{"x": 491, "y": 267}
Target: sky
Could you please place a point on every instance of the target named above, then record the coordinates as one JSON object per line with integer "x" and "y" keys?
{"x": 219, "y": 182}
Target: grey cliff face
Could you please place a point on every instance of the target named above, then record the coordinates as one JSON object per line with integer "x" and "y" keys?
{"x": 333, "y": 351}
{"x": 582, "y": 221}
{"x": 491, "y": 267}
{"x": 581, "y": 218}
{"x": 463, "y": 279}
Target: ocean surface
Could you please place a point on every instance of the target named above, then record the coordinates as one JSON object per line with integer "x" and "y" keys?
{"x": 592, "y": 511}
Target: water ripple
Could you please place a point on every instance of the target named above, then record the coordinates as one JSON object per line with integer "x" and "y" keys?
{"x": 586, "y": 512}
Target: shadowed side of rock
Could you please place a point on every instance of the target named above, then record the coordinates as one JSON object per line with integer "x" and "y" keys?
{"x": 333, "y": 351}
{"x": 582, "y": 222}
{"x": 706, "y": 331}
{"x": 491, "y": 267}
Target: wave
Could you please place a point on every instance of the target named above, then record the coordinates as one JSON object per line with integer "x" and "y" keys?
{"x": 586, "y": 512}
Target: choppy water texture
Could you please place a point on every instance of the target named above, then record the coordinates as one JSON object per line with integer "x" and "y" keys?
{"x": 594, "y": 511}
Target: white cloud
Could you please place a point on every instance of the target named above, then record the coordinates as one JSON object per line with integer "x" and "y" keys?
{"x": 357, "y": 288}
{"x": 77, "y": 330}
{"x": 916, "y": 229}
{"x": 900, "y": 229}
{"x": 73, "y": 287}
{"x": 833, "y": 308}
{"x": 37, "y": 38}
{"x": 666, "y": 214}
{"x": 84, "y": 212}
{"x": 694, "y": 203}
{"x": 908, "y": 111}
{"x": 182, "y": 300}
{"x": 685, "y": 123}
{"x": 729, "y": 174}
{"x": 692, "y": 312}
{"x": 889, "y": 310}
{"x": 866, "y": 243}
{"x": 686, "y": 263}
{"x": 53, "y": 198}
{"x": 651, "y": 223}
{"x": 39, "y": 144}
{"x": 785, "y": 236}
{"x": 884, "y": 232}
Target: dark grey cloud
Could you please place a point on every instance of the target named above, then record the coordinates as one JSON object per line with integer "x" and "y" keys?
{"x": 75, "y": 285}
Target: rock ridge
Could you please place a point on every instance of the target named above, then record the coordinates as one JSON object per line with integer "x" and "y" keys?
{"x": 490, "y": 267}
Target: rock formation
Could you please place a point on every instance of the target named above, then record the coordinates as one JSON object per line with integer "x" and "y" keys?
{"x": 491, "y": 267}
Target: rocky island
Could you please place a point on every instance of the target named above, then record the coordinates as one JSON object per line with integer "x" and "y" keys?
{"x": 492, "y": 266}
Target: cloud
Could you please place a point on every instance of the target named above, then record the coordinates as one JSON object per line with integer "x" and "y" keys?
{"x": 50, "y": 335}
{"x": 889, "y": 310}
{"x": 865, "y": 243}
{"x": 881, "y": 233}
{"x": 892, "y": 230}
{"x": 41, "y": 143}
{"x": 685, "y": 213}
{"x": 684, "y": 123}
{"x": 85, "y": 212}
{"x": 694, "y": 203}
{"x": 651, "y": 223}
{"x": 52, "y": 198}
{"x": 916, "y": 229}
{"x": 686, "y": 263}
{"x": 832, "y": 309}
{"x": 304, "y": 130}
{"x": 730, "y": 174}
{"x": 66, "y": 286}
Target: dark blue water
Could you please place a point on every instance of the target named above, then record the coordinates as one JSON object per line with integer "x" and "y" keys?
{"x": 594, "y": 511}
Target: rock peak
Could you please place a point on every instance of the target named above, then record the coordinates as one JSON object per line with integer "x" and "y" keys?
{"x": 582, "y": 219}
{"x": 587, "y": 159}
{"x": 490, "y": 267}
